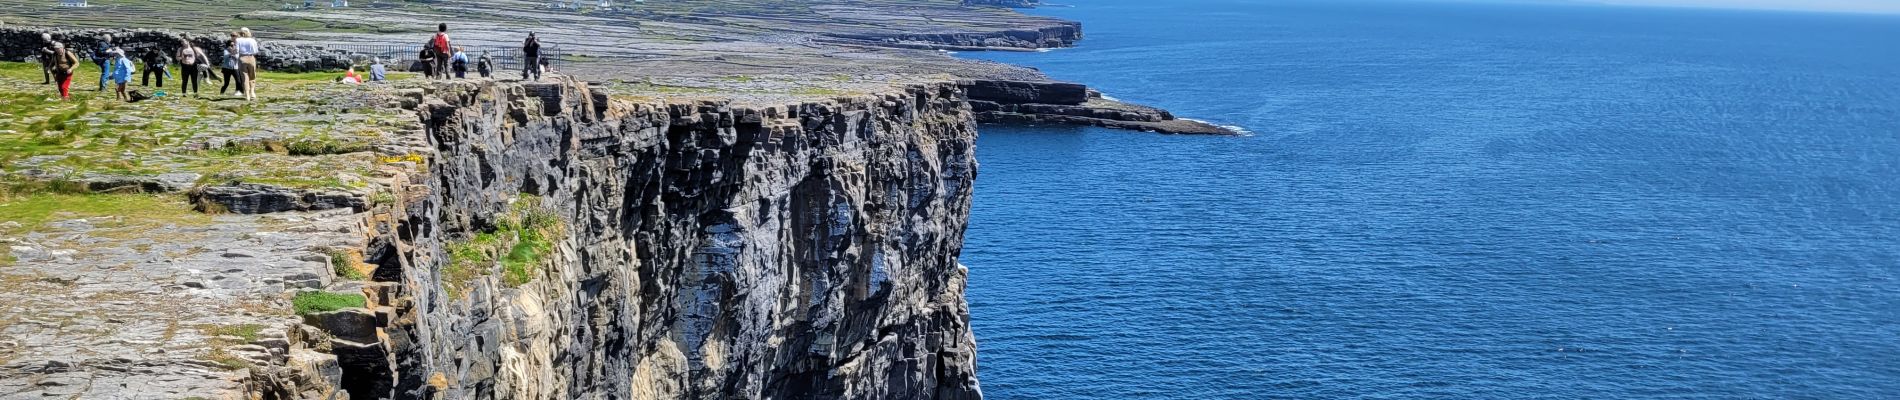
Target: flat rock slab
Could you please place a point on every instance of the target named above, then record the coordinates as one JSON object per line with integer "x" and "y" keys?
{"x": 90, "y": 308}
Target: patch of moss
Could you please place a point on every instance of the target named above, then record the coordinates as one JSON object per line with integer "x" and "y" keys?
{"x": 247, "y": 332}
{"x": 346, "y": 264}
{"x": 316, "y": 302}
{"x": 519, "y": 244}
{"x": 34, "y": 210}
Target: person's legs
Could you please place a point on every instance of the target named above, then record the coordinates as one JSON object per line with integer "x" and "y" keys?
{"x": 189, "y": 73}
{"x": 47, "y": 71}
{"x": 228, "y": 75}
{"x": 248, "y": 66}
{"x": 65, "y": 85}
{"x": 442, "y": 64}
{"x": 102, "y": 77}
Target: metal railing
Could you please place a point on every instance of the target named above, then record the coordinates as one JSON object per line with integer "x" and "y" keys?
{"x": 400, "y": 58}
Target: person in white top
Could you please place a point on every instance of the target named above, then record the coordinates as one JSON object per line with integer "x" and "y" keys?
{"x": 247, "y": 62}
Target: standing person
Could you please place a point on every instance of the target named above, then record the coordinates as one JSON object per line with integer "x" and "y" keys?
{"x": 47, "y": 57}
{"x": 247, "y": 48}
{"x": 102, "y": 56}
{"x": 484, "y": 65}
{"x": 230, "y": 66}
{"x": 64, "y": 62}
{"x": 427, "y": 59}
{"x": 377, "y": 72}
{"x": 531, "y": 58}
{"x": 120, "y": 71}
{"x": 459, "y": 62}
{"x": 442, "y": 50}
{"x": 191, "y": 61}
{"x": 155, "y": 62}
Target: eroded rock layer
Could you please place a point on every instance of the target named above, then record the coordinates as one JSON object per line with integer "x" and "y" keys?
{"x": 699, "y": 251}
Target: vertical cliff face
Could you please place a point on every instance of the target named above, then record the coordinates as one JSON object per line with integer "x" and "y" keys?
{"x": 567, "y": 245}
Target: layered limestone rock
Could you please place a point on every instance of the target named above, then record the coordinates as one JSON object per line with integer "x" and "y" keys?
{"x": 1046, "y": 102}
{"x": 705, "y": 250}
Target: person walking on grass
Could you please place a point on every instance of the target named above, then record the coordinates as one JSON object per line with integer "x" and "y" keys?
{"x": 47, "y": 57}
{"x": 101, "y": 56}
{"x": 155, "y": 61}
{"x": 64, "y": 62}
{"x": 119, "y": 70}
{"x": 531, "y": 58}
{"x": 440, "y": 43}
{"x": 247, "y": 48}
{"x": 191, "y": 63}
{"x": 230, "y": 66}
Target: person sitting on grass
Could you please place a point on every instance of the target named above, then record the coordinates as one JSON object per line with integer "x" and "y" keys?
{"x": 119, "y": 70}
{"x": 350, "y": 76}
{"x": 377, "y": 72}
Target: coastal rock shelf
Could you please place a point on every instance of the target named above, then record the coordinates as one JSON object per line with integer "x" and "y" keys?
{"x": 1041, "y": 102}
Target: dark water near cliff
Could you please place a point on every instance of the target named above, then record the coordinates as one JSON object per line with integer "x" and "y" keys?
{"x": 1451, "y": 201}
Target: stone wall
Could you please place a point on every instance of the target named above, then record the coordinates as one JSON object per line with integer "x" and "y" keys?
{"x": 709, "y": 250}
{"x": 17, "y": 43}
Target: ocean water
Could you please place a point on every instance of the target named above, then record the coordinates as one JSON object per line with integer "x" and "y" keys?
{"x": 1451, "y": 200}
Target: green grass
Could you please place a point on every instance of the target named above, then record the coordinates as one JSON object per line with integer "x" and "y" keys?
{"x": 316, "y": 302}
{"x": 247, "y": 332}
{"x": 35, "y": 210}
{"x": 519, "y": 244}
{"x": 344, "y": 264}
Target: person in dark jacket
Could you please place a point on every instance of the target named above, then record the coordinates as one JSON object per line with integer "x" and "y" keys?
{"x": 531, "y": 58}
{"x": 485, "y": 65}
{"x": 155, "y": 62}
{"x": 102, "y": 56}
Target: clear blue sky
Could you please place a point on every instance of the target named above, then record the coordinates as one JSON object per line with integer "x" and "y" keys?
{"x": 1874, "y": 6}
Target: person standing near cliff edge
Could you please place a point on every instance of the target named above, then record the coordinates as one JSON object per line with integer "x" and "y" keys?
{"x": 531, "y": 58}
{"x": 230, "y": 66}
{"x": 440, "y": 44}
{"x": 247, "y": 48}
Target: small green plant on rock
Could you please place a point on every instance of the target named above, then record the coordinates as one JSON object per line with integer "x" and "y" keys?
{"x": 519, "y": 244}
{"x": 315, "y": 302}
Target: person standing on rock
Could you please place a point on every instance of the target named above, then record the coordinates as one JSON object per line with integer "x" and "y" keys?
{"x": 191, "y": 61}
{"x": 247, "y": 48}
{"x": 442, "y": 50}
{"x": 230, "y": 66}
{"x": 427, "y": 58}
{"x": 101, "y": 57}
{"x": 531, "y": 58}
{"x": 47, "y": 57}
{"x": 485, "y": 65}
{"x": 64, "y": 62}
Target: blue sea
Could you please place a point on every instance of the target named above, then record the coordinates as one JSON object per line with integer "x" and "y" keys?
{"x": 1451, "y": 200}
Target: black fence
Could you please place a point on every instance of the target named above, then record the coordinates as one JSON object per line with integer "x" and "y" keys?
{"x": 401, "y": 58}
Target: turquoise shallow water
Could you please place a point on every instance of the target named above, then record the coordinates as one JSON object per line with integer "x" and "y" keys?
{"x": 1451, "y": 200}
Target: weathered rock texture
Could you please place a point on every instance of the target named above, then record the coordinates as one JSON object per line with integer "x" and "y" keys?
{"x": 709, "y": 250}
{"x": 17, "y": 43}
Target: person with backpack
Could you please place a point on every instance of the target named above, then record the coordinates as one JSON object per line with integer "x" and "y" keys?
{"x": 440, "y": 44}
{"x": 191, "y": 61}
{"x": 531, "y": 58}
{"x": 459, "y": 62}
{"x": 427, "y": 60}
{"x": 484, "y": 65}
{"x": 64, "y": 62}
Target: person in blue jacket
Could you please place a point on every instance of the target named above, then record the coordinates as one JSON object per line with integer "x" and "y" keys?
{"x": 119, "y": 70}
{"x": 101, "y": 57}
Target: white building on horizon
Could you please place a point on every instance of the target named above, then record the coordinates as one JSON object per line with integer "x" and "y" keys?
{"x": 73, "y": 3}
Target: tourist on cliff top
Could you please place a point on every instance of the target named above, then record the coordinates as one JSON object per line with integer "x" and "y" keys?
{"x": 427, "y": 59}
{"x": 191, "y": 61}
{"x": 46, "y": 58}
{"x": 350, "y": 76}
{"x": 119, "y": 70}
{"x": 155, "y": 62}
{"x": 459, "y": 62}
{"x": 531, "y": 58}
{"x": 377, "y": 72}
{"x": 230, "y": 66}
{"x": 485, "y": 65}
{"x": 64, "y": 62}
{"x": 442, "y": 50}
{"x": 100, "y": 57}
{"x": 247, "y": 62}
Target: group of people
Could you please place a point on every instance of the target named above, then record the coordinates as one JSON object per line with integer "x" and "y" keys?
{"x": 59, "y": 64}
{"x": 238, "y": 63}
{"x": 440, "y": 59}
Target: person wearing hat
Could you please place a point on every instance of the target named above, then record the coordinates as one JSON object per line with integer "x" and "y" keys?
{"x": 119, "y": 70}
